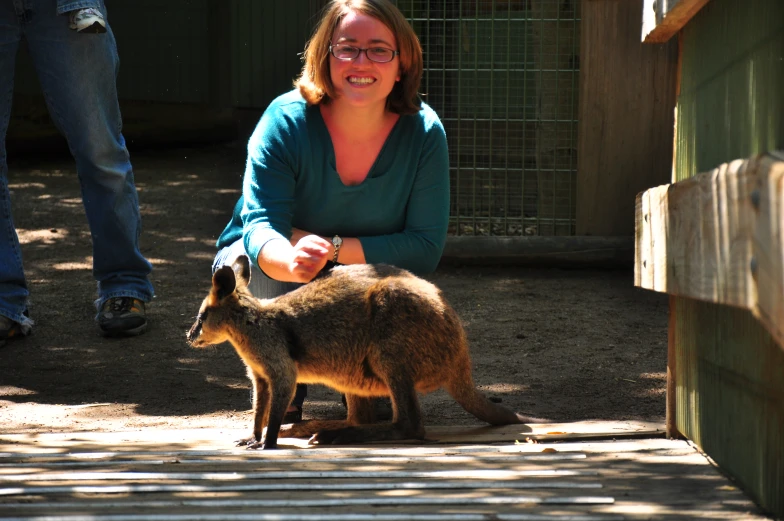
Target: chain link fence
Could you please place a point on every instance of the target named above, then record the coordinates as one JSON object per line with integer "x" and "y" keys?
{"x": 503, "y": 77}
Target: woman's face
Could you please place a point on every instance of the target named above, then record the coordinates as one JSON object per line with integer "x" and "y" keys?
{"x": 361, "y": 82}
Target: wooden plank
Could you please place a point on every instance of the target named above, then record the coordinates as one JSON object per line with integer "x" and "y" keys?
{"x": 140, "y": 477}
{"x": 717, "y": 237}
{"x": 53, "y": 443}
{"x": 546, "y": 432}
{"x": 662, "y": 19}
{"x": 349, "y": 516}
{"x": 304, "y": 502}
{"x": 632, "y": 479}
{"x": 618, "y": 74}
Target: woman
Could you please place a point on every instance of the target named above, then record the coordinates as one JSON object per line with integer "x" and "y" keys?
{"x": 350, "y": 167}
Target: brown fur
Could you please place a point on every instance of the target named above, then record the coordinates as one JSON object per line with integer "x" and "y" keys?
{"x": 364, "y": 330}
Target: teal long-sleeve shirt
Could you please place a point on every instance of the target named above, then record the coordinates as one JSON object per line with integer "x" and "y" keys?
{"x": 399, "y": 213}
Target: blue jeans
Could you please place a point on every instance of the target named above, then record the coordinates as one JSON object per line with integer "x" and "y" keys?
{"x": 261, "y": 286}
{"x": 63, "y": 6}
{"x": 77, "y": 73}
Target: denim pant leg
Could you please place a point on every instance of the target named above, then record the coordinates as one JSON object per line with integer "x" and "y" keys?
{"x": 64, "y": 6}
{"x": 261, "y": 286}
{"x": 13, "y": 288}
{"x": 78, "y": 77}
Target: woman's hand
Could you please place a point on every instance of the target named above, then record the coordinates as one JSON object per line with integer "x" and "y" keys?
{"x": 351, "y": 251}
{"x": 311, "y": 254}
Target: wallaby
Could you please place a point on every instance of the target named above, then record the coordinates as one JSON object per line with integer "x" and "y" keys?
{"x": 364, "y": 330}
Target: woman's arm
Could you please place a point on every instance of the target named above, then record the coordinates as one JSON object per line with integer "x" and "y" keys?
{"x": 268, "y": 193}
{"x": 418, "y": 247}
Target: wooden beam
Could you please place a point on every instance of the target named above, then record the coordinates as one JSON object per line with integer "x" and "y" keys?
{"x": 718, "y": 237}
{"x": 661, "y": 19}
{"x": 560, "y": 251}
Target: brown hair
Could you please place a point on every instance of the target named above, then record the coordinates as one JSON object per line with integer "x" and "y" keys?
{"x": 315, "y": 83}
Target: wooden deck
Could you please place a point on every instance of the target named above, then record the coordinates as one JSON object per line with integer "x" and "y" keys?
{"x": 588, "y": 471}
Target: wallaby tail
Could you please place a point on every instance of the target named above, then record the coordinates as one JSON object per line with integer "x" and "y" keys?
{"x": 461, "y": 388}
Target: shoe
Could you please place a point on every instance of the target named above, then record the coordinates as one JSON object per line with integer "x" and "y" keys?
{"x": 122, "y": 316}
{"x": 87, "y": 21}
{"x": 10, "y": 330}
{"x": 294, "y": 416}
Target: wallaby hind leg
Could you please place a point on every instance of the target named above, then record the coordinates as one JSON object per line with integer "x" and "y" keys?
{"x": 406, "y": 422}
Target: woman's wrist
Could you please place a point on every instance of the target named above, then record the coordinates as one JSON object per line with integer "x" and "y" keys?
{"x": 337, "y": 243}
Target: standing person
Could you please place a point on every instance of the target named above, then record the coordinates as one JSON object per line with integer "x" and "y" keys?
{"x": 351, "y": 167}
{"x": 77, "y": 73}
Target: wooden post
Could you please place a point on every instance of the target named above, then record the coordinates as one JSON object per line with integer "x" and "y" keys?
{"x": 671, "y": 419}
{"x": 626, "y": 107}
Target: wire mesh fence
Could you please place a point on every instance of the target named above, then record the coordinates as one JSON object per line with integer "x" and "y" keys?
{"x": 503, "y": 77}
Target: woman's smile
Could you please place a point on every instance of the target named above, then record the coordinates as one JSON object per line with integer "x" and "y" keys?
{"x": 361, "y": 80}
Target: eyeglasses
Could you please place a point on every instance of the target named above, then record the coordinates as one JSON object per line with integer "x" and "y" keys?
{"x": 374, "y": 54}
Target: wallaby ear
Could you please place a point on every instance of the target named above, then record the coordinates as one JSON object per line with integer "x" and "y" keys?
{"x": 241, "y": 269}
{"x": 223, "y": 283}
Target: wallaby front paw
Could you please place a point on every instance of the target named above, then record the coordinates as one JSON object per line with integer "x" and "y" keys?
{"x": 263, "y": 445}
{"x": 246, "y": 442}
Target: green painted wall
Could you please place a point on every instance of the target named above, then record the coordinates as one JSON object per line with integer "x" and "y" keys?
{"x": 729, "y": 371}
{"x": 730, "y": 394}
{"x": 266, "y": 40}
{"x": 731, "y": 103}
{"x": 164, "y": 56}
{"x": 185, "y": 65}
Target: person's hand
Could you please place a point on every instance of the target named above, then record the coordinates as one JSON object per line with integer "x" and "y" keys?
{"x": 311, "y": 254}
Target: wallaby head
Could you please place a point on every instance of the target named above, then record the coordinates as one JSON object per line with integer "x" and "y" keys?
{"x": 229, "y": 285}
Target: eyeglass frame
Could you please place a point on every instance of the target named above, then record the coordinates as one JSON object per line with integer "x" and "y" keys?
{"x": 360, "y": 50}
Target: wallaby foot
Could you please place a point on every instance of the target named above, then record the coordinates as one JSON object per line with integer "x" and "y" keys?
{"x": 308, "y": 428}
{"x": 365, "y": 433}
{"x": 255, "y": 442}
{"x": 245, "y": 442}
{"x": 263, "y": 445}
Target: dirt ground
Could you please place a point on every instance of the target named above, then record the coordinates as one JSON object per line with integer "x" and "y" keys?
{"x": 564, "y": 345}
